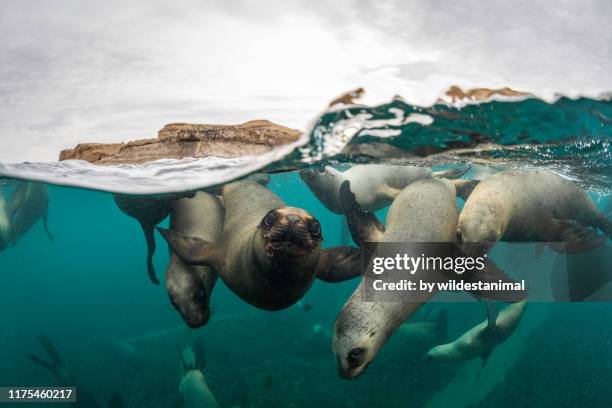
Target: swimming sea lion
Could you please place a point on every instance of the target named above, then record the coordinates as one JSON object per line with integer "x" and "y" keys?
{"x": 148, "y": 211}
{"x": 429, "y": 332}
{"x": 425, "y": 211}
{"x": 193, "y": 386}
{"x": 190, "y": 286}
{"x": 532, "y": 206}
{"x": 374, "y": 185}
{"x": 65, "y": 378}
{"x": 29, "y": 203}
{"x": 481, "y": 339}
{"x": 268, "y": 254}
{"x": 5, "y": 223}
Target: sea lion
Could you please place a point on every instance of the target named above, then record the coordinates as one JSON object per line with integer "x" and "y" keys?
{"x": 148, "y": 211}
{"x": 374, "y": 185}
{"x": 425, "y": 211}
{"x": 429, "y": 332}
{"x": 481, "y": 339}
{"x": 193, "y": 386}
{"x": 65, "y": 378}
{"x": 190, "y": 286}
{"x": 532, "y": 206}
{"x": 5, "y": 223}
{"x": 29, "y": 203}
{"x": 268, "y": 254}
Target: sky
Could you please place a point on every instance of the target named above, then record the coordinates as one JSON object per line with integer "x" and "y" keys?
{"x": 87, "y": 71}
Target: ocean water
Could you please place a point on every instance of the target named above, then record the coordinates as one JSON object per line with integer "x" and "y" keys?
{"x": 89, "y": 293}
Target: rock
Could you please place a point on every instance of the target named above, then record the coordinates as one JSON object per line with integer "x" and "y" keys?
{"x": 185, "y": 140}
{"x": 478, "y": 94}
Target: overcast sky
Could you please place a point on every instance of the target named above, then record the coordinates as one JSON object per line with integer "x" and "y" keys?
{"x": 90, "y": 71}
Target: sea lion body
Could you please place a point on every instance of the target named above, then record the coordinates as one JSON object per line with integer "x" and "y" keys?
{"x": 530, "y": 206}
{"x": 374, "y": 185}
{"x": 195, "y": 391}
{"x": 425, "y": 211}
{"x": 481, "y": 339}
{"x": 190, "y": 286}
{"x": 426, "y": 333}
{"x": 193, "y": 386}
{"x": 268, "y": 254}
{"x": 29, "y": 203}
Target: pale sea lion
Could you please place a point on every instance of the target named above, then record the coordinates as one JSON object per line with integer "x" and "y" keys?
{"x": 429, "y": 332}
{"x": 5, "y": 223}
{"x": 374, "y": 185}
{"x": 481, "y": 339}
{"x": 425, "y": 211}
{"x": 65, "y": 378}
{"x": 268, "y": 254}
{"x": 29, "y": 203}
{"x": 190, "y": 286}
{"x": 194, "y": 387}
{"x": 532, "y": 206}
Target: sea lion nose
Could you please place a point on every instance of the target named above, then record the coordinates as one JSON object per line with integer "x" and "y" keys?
{"x": 293, "y": 220}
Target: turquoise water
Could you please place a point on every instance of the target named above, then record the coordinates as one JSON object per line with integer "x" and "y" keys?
{"x": 90, "y": 294}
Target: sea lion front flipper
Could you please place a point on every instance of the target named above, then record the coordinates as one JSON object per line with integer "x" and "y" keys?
{"x": 364, "y": 225}
{"x": 573, "y": 237}
{"x": 485, "y": 357}
{"x": 150, "y": 238}
{"x": 339, "y": 264}
{"x": 389, "y": 192}
{"x": 194, "y": 251}
{"x": 464, "y": 187}
{"x": 46, "y": 225}
{"x": 492, "y": 313}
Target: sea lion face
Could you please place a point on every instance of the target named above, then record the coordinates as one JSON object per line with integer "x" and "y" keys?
{"x": 289, "y": 232}
{"x": 358, "y": 337}
{"x": 189, "y": 292}
{"x": 482, "y": 222}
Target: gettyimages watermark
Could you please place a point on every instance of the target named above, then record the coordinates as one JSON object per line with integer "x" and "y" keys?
{"x": 418, "y": 272}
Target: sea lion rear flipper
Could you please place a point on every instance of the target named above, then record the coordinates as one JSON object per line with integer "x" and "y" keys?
{"x": 451, "y": 173}
{"x": 339, "y": 264}
{"x": 115, "y": 401}
{"x": 465, "y": 187}
{"x": 574, "y": 237}
{"x": 364, "y": 225}
{"x": 150, "y": 238}
{"x": 191, "y": 250}
{"x": 47, "y": 228}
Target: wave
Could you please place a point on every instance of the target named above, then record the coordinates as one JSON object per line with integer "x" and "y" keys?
{"x": 570, "y": 135}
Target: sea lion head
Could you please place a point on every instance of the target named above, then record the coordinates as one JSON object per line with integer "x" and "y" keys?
{"x": 482, "y": 222}
{"x": 189, "y": 289}
{"x": 434, "y": 354}
{"x": 324, "y": 182}
{"x": 287, "y": 233}
{"x": 359, "y": 333}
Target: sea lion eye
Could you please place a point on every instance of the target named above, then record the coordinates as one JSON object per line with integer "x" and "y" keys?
{"x": 269, "y": 219}
{"x": 315, "y": 228}
{"x": 354, "y": 356}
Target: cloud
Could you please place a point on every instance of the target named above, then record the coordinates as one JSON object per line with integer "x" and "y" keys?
{"x": 77, "y": 71}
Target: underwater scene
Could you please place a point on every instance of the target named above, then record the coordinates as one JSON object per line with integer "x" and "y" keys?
{"x": 236, "y": 283}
